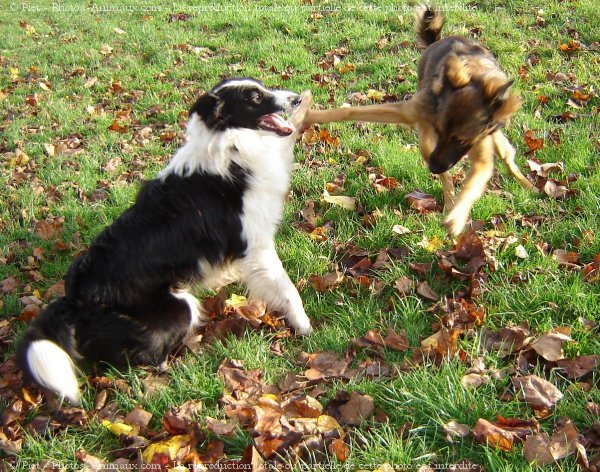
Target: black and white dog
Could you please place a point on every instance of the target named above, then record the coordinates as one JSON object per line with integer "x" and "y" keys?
{"x": 209, "y": 216}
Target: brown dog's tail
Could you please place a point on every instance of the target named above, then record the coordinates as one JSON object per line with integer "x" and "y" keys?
{"x": 428, "y": 25}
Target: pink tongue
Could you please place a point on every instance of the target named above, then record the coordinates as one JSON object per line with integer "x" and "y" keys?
{"x": 277, "y": 123}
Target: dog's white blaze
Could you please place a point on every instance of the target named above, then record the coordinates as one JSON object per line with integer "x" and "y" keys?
{"x": 240, "y": 83}
{"x": 284, "y": 99}
{"x": 52, "y": 368}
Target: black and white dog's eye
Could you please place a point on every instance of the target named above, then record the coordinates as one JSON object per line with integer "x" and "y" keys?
{"x": 256, "y": 97}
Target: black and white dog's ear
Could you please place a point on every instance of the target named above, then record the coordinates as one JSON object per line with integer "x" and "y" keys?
{"x": 208, "y": 107}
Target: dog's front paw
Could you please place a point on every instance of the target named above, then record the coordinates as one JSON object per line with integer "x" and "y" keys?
{"x": 455, "y": 221}
{"x": 302, "y": 326}
{"x": 299, "y": 116}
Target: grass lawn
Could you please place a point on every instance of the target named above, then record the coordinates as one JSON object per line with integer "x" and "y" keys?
{"x": 93, "y": 101}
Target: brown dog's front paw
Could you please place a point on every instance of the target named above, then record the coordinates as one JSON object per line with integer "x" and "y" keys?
{"x": 456, "y": 221}
{"x": 299, "y": 116}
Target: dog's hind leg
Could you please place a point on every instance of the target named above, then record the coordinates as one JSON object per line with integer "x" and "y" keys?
{"x": 266, "y": 279}
{"x": 482, "y": 168}
{"x": 507, "y": 153}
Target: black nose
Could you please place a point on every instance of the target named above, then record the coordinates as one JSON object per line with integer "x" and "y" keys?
{"x": 438, "y": 167}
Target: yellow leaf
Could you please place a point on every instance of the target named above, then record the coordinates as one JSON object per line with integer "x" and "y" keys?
{"x": 169, "y": 446}
{"x": 375, "y": 95}
{"x": 119, "y": 428}
{"x": 90, "y": 82}
{"x": 430, "y": 245}
{"x": 349, "y": 203}
{"x": 327, "y": 423}
{"x": 345, "y": 68}
{"x": 50, "y": 149}
{"x": 14, "y": 73}
{"x": 19, "y": 159}
{"x": 236, "y": 301}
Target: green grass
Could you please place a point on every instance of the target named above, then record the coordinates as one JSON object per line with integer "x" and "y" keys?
{"x": 153, "y": 71}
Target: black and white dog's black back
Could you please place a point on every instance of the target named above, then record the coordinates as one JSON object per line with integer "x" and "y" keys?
{"x": 209, "y": 217}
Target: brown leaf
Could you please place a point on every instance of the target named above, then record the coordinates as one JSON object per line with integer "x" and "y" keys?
{"x": 549, "y": 346}
{"x": 538, "y": 392}
{"x": 179, "y": 419}
{"x": 532, "y": 143}
{"x": 488, "y": 433}
{"x": 396, "y": 341}
{"x": 401, "y": 230}
{"x": 49, "y": 228}
{"x": 325, "y": 365}
{"x": 554, "y": 189}
{"x": 340, "y": 449}
{"x": 358, "y": 408}
{"x": 325, "y": 282}
{"x": 454, "y": 429}
{"x": 545, "y": 450}
{"x": 579, "y": 366}
{"x": 57, "y": 290}
{"x": 404, "y": 285}
{"x": 138, "y": 418}
{"x": 220, "y": 428}
{"x": 426, "y": 291}
{"x": 569, "y": 259}
{"x": 91, "y": 462}
{"x": 117, "y": 127}
{"x": 469, "y": 246}
{"x": 422, "y": 202}
{"x": 591, "y": 271}
{"x": 442, "y": 344}
{"x": 10, "y": 284}
{"x": 239, "y": 380}
{"x": 474, "y": 380}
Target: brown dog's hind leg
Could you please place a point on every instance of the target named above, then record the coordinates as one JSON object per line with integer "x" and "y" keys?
{"x": 507, "y": 153}
{"x": 482, "y": 168}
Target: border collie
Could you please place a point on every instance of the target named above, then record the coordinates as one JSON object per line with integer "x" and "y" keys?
{"x": 210, "y": 216}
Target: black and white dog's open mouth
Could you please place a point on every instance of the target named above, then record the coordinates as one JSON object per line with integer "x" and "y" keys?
{"x": 276, "y": 123}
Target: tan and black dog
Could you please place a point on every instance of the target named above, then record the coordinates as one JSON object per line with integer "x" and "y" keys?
{"x": 460, "y": 107}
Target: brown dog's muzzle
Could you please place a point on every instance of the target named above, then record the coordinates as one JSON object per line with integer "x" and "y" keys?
{"x": 445, "y": 156}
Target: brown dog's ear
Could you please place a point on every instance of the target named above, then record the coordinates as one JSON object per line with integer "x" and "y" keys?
{"x": 506, "y": 108}
{"x": 457, "y": 71}
{"x": 502, "y": 101}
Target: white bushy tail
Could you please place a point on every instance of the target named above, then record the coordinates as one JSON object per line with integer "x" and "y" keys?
{"x": 52, "y": 368}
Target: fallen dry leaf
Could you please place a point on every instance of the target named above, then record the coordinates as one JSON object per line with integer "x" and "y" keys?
{"x": 549, "y": 346}
{"x": 545, "y": 450}
{"x": 323, "y": 283}
{"x": 538, "y": 392}
{"x": 325, "y": 365}
{"x": 454, "y": 429}
{"x": 579, "y": 366}
{"x": 358, "y": 408}
{"x": 426, "y": 291}
{"x": 422, "y": 202}
{"x": 349, "y": 203}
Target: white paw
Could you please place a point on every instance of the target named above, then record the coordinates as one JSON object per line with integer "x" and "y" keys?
{"x": 302, "y": 326}
{"x": 455, "y": 221}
